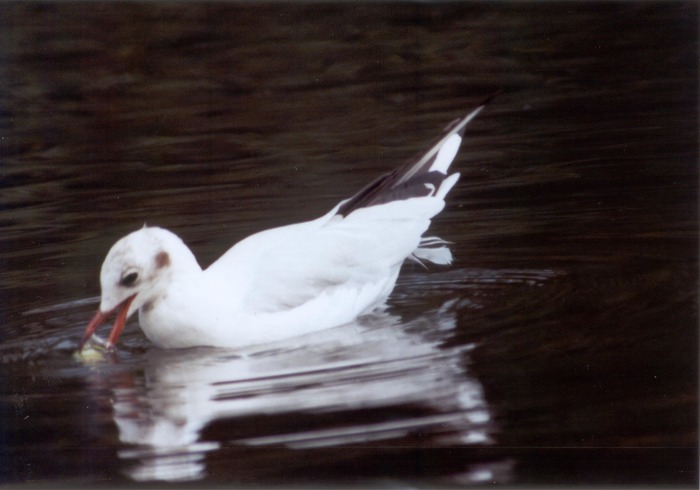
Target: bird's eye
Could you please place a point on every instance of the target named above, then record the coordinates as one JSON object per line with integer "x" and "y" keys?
{"x": 129, "y": 279}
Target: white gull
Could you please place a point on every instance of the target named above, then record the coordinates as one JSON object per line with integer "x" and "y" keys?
{"x": 285, "y": 281}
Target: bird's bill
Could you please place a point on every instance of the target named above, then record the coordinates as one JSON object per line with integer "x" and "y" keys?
{"x": 100, "y": 317}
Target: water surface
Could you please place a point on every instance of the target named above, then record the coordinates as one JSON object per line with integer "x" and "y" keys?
{"x": 559, "y": 348}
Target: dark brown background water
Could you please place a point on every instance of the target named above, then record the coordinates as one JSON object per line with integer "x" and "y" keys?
{"x": 559, "y": 348}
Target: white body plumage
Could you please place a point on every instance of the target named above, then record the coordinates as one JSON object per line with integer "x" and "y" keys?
{"x": 285, "y": 281}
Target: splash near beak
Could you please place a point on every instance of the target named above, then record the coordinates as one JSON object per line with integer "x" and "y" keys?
{"x": 100, "y": 318}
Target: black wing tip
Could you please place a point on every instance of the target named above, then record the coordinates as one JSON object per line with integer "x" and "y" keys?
{"x": 483, "y": 104}
{"x": 384, "y": 188}
{"x": 488, "y": 99}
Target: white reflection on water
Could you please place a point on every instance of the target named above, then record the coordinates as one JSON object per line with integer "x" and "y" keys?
{"x": 377, "y": 362}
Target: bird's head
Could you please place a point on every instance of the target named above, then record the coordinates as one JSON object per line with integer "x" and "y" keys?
{"x": 135, "y": 273}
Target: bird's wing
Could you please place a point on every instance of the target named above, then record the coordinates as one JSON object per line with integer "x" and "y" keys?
{"x": 362, "y": 241}
{"x": 420, "y": 175}
{"x": 298, "y": 263}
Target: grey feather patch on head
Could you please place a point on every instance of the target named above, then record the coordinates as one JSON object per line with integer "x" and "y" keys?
{"x": 162, "y": 259}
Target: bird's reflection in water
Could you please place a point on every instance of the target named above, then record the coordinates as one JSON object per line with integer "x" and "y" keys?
{"x": 373, "y": 364}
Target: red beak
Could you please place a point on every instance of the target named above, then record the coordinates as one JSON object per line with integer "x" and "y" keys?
{"x": 100, "y": 318}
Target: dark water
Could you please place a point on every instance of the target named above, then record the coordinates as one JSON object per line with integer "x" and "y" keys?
{"x": 559, "y": 348}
